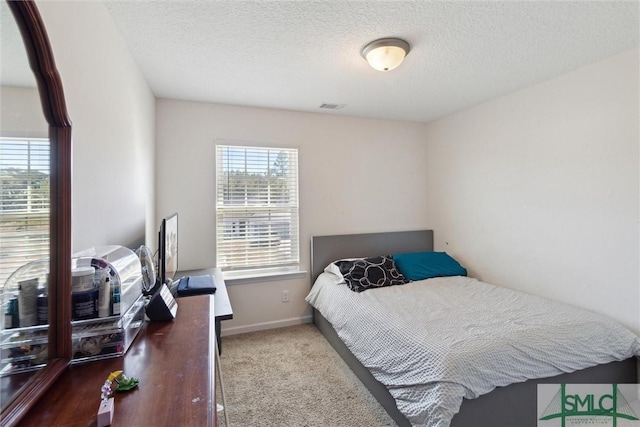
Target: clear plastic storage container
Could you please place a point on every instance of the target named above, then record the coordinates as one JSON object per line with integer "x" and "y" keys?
{"x": 107, "y": 309}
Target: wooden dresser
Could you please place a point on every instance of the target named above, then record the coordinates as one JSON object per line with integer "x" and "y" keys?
{"x": 175, "y": 362}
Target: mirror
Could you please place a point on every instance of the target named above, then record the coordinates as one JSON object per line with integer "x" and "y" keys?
{"x": 19, "y": 392}
{"x": 22, "y": 124}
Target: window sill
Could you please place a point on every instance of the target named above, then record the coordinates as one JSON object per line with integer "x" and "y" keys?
{"x": 253, "y": 276}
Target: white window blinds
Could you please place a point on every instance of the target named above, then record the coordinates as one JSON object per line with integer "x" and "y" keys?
{"x": 24, "y": 203}
{"x": 256, "y": 207}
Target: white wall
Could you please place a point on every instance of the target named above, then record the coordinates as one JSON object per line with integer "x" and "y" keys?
{"x": 345, "y": 166}
{"x": 539, "y": 190}
{"x": 22, "y": 113}
{"x": 112, "y": 110}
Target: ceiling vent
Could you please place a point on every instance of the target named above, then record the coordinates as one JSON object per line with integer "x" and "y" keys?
{"x": 333, "y": 106}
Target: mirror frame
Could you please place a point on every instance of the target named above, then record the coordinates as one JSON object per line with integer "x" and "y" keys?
{"x": 42, "y": 64}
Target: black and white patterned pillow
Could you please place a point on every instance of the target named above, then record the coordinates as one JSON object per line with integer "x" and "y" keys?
{"x": 367, "y": 273}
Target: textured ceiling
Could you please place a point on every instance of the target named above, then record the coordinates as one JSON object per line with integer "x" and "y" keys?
{"x": 297, "y": 55}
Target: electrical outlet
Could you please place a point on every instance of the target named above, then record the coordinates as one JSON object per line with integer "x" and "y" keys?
{"x": 285, "y": 296}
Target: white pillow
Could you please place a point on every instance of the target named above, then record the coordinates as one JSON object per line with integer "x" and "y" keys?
{"x": 334, "y": 270}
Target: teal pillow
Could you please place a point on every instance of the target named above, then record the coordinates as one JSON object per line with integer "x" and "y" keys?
{"x": 424, "y": 265}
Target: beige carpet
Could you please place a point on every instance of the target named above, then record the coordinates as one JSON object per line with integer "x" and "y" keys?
{"x": 292, "y": 377}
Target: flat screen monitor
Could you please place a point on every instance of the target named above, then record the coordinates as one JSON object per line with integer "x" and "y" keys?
{"x": 168, "y": 248}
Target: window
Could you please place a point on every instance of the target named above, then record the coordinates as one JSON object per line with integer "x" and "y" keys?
{"x": 24, "y": 203}
{"x": 256, "y": 207}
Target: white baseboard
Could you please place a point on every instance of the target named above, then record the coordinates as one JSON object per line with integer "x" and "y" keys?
{"x": 265, "y": 325}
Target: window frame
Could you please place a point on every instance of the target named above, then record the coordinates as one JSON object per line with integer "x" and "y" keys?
{"x": 243, "y": 210}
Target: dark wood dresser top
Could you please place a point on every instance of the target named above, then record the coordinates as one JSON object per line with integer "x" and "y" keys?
{"x": 174, "y": 362}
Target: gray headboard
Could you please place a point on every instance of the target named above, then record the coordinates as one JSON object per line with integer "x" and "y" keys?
{"x": 325, "y": 249}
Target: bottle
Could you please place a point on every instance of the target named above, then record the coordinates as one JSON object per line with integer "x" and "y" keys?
{"x": 115, "y": 310}
{"x": 11, "y": 318}
{"x": 8, "y": 315}
{"x": 28, "y": 302}
{"x": 43, "y": 303}
{"x": 104, "y": 298}
{"x": 7, "y": 318}
{"x": 43, "y": 309}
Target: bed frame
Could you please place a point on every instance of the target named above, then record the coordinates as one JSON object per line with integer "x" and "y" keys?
{"x": 513, "y": 405}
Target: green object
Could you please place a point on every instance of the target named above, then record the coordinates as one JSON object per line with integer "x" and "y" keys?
{"x": 125, "y": 383}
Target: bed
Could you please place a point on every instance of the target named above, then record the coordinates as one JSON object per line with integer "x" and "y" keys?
{"x": 510, "y": 405}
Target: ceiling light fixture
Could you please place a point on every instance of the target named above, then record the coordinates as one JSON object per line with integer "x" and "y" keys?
{"x": 385, "y": 54}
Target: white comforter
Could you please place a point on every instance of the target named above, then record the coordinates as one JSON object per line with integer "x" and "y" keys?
{"x": 435, "y": 341}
